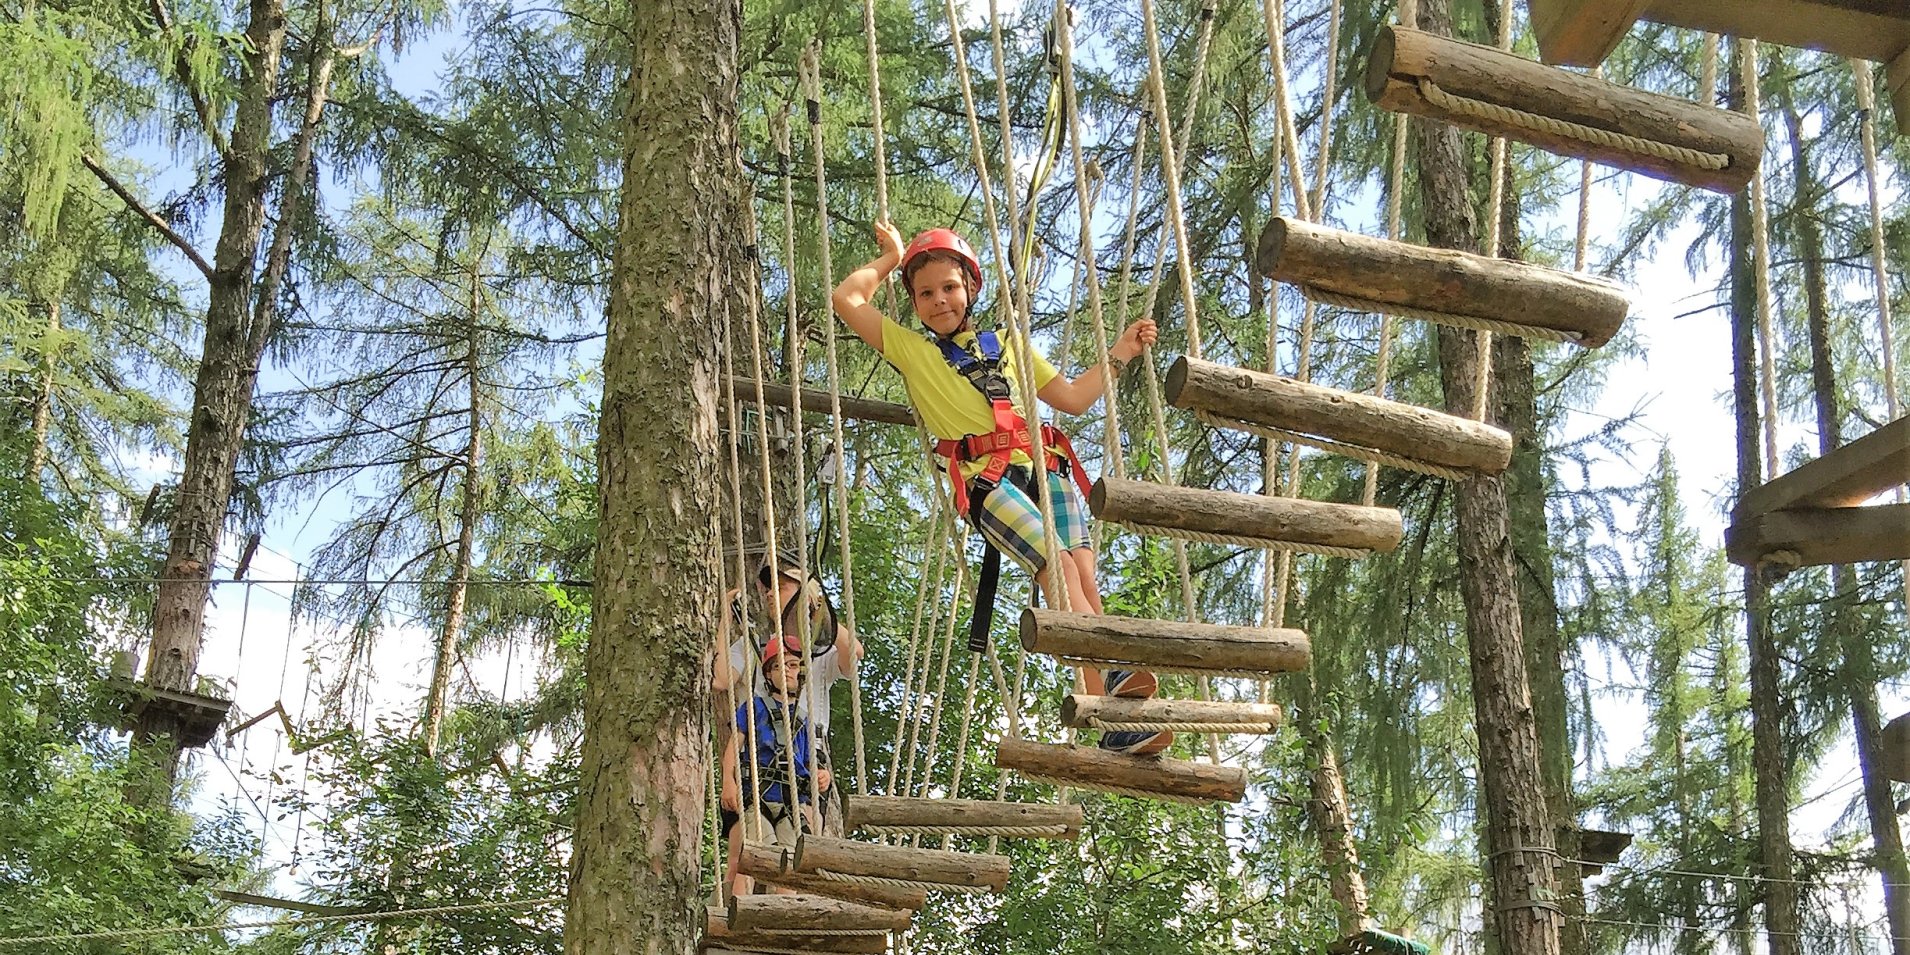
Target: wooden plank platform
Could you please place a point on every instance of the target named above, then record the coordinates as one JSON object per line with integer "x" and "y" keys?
{"x": 1896, "y": 749}
{"x": 1143, "y": 777}
{"x": 1248, "y": 519}
{"x": 770, "y": 864}
{"x": 1570, "y": 114}
{"x": 1846, "y": 477}
{"x": 1177, "y": 647}
{"x": 196, "y": 716}
{"x": 930, "y": 867}
{"x": 1813, "y": 536}
{"x": 974, "y": 817}
{"x": 1083, "y": 711}
{"x": 1443, "y": 282}
{"x": 1391, "y": 428}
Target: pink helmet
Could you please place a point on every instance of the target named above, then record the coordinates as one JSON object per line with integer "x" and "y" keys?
{"x": 944, "y": 240}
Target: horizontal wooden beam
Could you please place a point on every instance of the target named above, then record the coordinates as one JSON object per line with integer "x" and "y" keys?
{"x": 1846, "y": 477}
{"x": 1570, "y": 114}
{"x": 811, "y": 913}
{"x": 1363, "y": 421}
{"x": 1584, "y": 32}
{"x": 902, "y": 814}
{"x": 816, "y": 401}
{"x": 771, "y": 864}
{"x": 1581, "y": 32}
{"x": 1403, "y": 275}
{"x": 1175, "y": 646}
{"x": 1813, "y": 536}
{"x": 1095, "y": 769}
{"x": 1083, "y": 711}
{"x": 1248, "y": 517}
{"x": 933, "y": 866}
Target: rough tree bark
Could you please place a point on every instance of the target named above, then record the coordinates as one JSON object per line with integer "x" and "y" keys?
{"x": 635, "y": 875}
{"x": 222, "y": 389}
{"x": 1522, "y": 858}
{"x": 1859, "y": 665}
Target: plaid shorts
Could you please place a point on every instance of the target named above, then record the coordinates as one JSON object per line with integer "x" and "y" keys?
{"x": 1011, "y": 520}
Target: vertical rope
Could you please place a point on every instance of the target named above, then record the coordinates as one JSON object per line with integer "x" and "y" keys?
{"x": 1867, "y": 110}
{"x": 1482, "y": 383}
{"x": 1395, "y": 206}
{"x": 1761, "y": 266}
{"x": 1170, "y": 166}
{"x": 933, "y": 562}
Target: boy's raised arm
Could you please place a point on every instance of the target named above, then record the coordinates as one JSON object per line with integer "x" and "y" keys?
{"x": 853, "y": 298}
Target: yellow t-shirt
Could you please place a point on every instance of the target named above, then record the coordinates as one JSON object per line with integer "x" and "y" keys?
{"x": 950, "y": 406}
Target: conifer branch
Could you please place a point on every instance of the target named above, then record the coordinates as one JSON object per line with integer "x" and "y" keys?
{"x": 133, "y": 203}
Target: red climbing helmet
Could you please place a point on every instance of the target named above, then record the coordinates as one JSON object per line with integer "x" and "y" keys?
{"x": 779, "y": 646}
{"x": 943, "y": 240}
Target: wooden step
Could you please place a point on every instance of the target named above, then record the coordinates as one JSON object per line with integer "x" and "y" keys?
{"x": 1814, "y": 536}
{"x": 770, "y": 864}
{"x": 1252, "y": 520}
{"x": 923, "y": 868}
{"x": 968, "y": 817}
{"x": 1147, "y": 777}
{"x": 1361, "y": 426}
{"x": 1111, "y": 642}
{"x": 780, "y": 914}
{"x": 718, "y": 936}
{"x": 1846, "y": 477}
{"x": 1083, "y": 711}
{"x": 1571, "y": 114}
{"x": 1443, "y": 285}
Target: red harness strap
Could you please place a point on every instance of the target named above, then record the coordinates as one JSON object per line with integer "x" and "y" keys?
{"x": 998, "y": 447}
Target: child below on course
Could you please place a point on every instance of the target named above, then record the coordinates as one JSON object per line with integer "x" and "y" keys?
{"x": 770, "y": 799}
{"x": 964, "y": 384}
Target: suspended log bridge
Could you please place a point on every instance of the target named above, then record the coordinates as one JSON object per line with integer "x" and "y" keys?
{"x": 816, "y": 401}
{"x": 1811, "y": 515}
{"x": 841, "y": 859}
{"x": 1571, "y": 114}
{"x": 718, "y": 936}
{"x": 1584, "y": 32}
{"x": 779, "y": 914}
{"x": 1441, "y": 285}
{"x": 1251, "y": 520}
{"x": 1148, "y": 778}
{"x": 770, "y": 864}
{"x": 1896, "y": 749}
{"x": 1083, "y": 711}
{"x": 1360, "y": 426}
{"x": 903, "y": 815}
{"x": 1108, "y": 641}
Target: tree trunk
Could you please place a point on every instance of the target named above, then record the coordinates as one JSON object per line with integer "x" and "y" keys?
{"x": 222, "y": 390}
{"x": 1859, "y": 667}
{"x": 1769, "y": 766}
{"x": 636, "y": 871}
{"x": 435, "y": 701}
{"x": 43, "y": 399}
{"x": 1522, "y": 858}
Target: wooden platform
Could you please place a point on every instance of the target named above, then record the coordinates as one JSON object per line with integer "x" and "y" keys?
{"x": 1441, "y": 285}
{"x": 196, "y": 717}
{"x": 1598, "y": 848}
{"x": 1105, "y": 640}
{"x": 1257, "y": 520}
{"x": 770, "y": 864}
{"x": 972, "y": 817}
{"x": 1811, "y": 514}
{"x": 1584, "y": 32}
{"x": 927, "y": 868}
{"x": 1143, "y": 777}
{"x": 1570, "y": 114}
{"x": 1363, "y": 426}
{"x": 1083, "y": 711}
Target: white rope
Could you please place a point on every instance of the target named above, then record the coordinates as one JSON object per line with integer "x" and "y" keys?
{"x": 1015, "y": 832}
{"x": 137, "y": 934}
{"x": 1592, "y": 135}
{"x": 829, "y": 875}
{"x": 1121, "y": 790}
{"x": 1344, "y": 449}
{"x": 1325, "y": 550}
{"x": 1146, "y": 726}
{"x": 1475, "y": 322}
{"x": 1241, "y": 674}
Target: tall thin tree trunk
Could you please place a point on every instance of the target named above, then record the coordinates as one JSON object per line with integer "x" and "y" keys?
{"x": 43, "y": 398}
{"x": 1769, "y": 765}
{"x": 222, "y": 390}
{"x": 1331, "y": 819}
{"x": 636, "y": 870}
{"x": 468, "y": 502}
{"x": 1859, "y": 666}
{"x": 1522, "y": 859}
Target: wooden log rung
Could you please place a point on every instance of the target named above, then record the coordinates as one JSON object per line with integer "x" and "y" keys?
{"x": 776, "y": 914}
{"x": 719, "y": 936}
{"x": 901, "y": 815}
{"x": 864, "y": 863}
{"x": 1362, "y": 426}
{"x": 1118, "y": 714}
{"x": 1570, "y": 114}
{"x": 1171, "y": 780}
{"x": 1247, "y": 520}
{"x": 1109, "y": 641}
{"x": 771, "y": 864}
{"x": 1440, "y": 285}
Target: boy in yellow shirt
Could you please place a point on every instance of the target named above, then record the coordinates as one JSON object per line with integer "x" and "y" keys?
{"x": 964, "y": 384}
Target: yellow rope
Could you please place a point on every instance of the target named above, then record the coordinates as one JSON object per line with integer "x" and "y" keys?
{"x": 1592, "y": 135}
{"x": 1014, "y": 832}
{"x": 828, "y": 875}
{"x": 1143, "y": 726}
{"x": 1121, "y": 790}
{"x": 1240, "y": 673}
{"x": 1357, "y": 451}
{"x": 1264, "y": 543}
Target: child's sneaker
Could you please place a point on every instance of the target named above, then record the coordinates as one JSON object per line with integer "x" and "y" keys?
{"x": 1136, "y": 743}
{"x": 1132, "y": 684}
